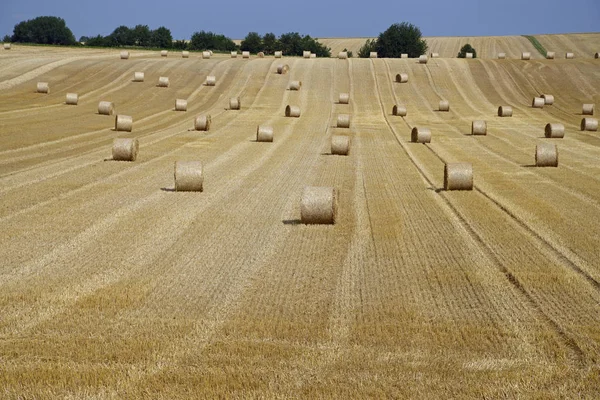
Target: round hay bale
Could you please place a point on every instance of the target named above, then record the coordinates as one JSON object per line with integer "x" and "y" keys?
{"x": 399, "y": 110}
{"x": 444, "y": 105}
{"x": 548, "y": 99}
{"x": 479, "y": 127}
{"x": 550, "y": 55}
{"x": 420, "y": 135}
{"x": 295, "y": 85}
{"x": 505, "y": 111}
{"x": 72, "y": 99}
{"x": 124, "y": 55}
{"x": 569, "y": 56}
{"x": 403, "y": 55}
{"x": 340, "y": 145}
{"x": 163, "y": 81}
{"x": 538, "y": 102}
{"x": 343, "y": 55}
{"x": 180, "y": 105}
{"x": 306, "y": 54}
{"x": 313, "y": 55}
{"x": 546, "y": 155}
{"x": 164, "y": 53}
{"x": 343, "y": 121}
{"x": 278, "y": 54}
{"x": 501, "y": 56}
{"x": 344, "y": 98}
{"x": 469, "y": 55}
{"x": 261, "y": 54}
{"x": 554, "y": 131}
{"x": 587, "y": 109}
{"x": 589, "y": 124}
{"x": 189, "y": 176}
{"x": 125, "y": 149}
{"x": 458, "y": 176}
{"x": 123, "y": 123}
{"x": 211, "y": 80}
{"x": 245, "y": 54}
{"x": 43, "y": 87}
{"x": 373, "y": 54}
{"x": 283, "y": 69}
{"x": 138, "y": 77}
{"x": 234, "y": 54}
{"x": 202, "y": 122}
{"x": 435, "y": 55}
{"x": 206, "y": 55}
{"x": 401, "y": 78}
{"x": 7, "y": 46}
{"x": 292, "y": 111}
{"x": 106, "y": 108}
{"x": 185, "y": 54}
{"x": 264, "y": 133}
{"x": 423, "y": 59}
{"x": 234, "y": 103}
{"x": 525, "y": 55}
{"x": 318, "y": 205}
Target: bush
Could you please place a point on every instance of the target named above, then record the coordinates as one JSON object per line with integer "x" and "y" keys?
{"x": 366, "y": 49}
{"x": 209, "y": 41}
{"x": 397, "y": 39}
{"x": 43, "y": 30}
{"x": 467, "y": 48}
{"x": 292, "y": 44}
{"x": 349, "y": 52}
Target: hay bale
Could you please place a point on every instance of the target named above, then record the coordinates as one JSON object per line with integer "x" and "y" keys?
{"x": 7, "y": 46}
{"x": 206, "y": 55}
{"x": 501, "y": 56}
{"x": 435, "y": 55}
{"x": 420, "y": 135}
{"x": 505, "y": 111}
{"x": 343, "y": 55}
{"x": 344, "y": 98}
{"x": 283, "y": 69}
{"x": 554, "y": 131}
{"x": 340, "y": 145}
{"x": 185, "y": 54}
{"x": 318, "y": 205}
{"x": 189, "y": 176}
{"x": 261, "y": 54}
{"x": 343, "y": 121}
{"x": 306, "y": 54}
{"x": 569, "y": 56}
{"x": 401, "y": 78}
{"x": 373, "y": 54}
{"x": 538, "y": 102}
{"x": 278, "y": 54}
{"x": 469, "y": 55}
{"x": 295, "y": 85}
{"x": 125, "y": 149}
{"x": 399, "y": 110}
{"x": 164, "y": 53}
{"x": 444, "y": 105}
{"x": 72, "y": 99}
{"x": 211, "y": 80}
{"x": 202, "y": 122}
{"x": 423, "y": 59}
{"x": 123, "y": 123}
{"x": 43, "y": 87}
{"x": 548, "y": 99}
{"x": 292, "y": 111}
{"x": 587, "y": 109}
{"x": 403, "y": 55}
{"x": 313, "y": 55}
{"x": 525, "y": 55}
{"x": 234, "y": 103}
{"x": 458, "y": 176}
{"x": 478, "y": 127}
{"x": 163, "y": 81}
{"x": 234, "y": 54}
{"x": 264, "y": 133}
{"x": 180, "y": 105}
{"x": 546, "y": 155}
{"x": 245, "y": 54}
{"x": 106, "y": 108}
{"x": 138, "y": 77}
{"x": 211, "y": 52}
{"x": 550, "y": 55}
{"x": 124, "y": 55}
{"x": 589, "y": 124}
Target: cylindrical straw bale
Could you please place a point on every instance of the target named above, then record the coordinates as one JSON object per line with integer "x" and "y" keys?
{"x": 550, "y": 55}
{"x": 435, "y": 55}
{"x": 343, "y": 121}
{"x": 373, "y": 54}
{"x": 569, "y": 56}
{"x": 343, "y": 55}
{"x": 420, "y": 135}
{"x": 505, "y": 111}
{"x": 245, "y": 54}
{"x": 318, "y": 205}
{"x": 180, "y": 105}
{"x": 444, "y": 105}
{"x": 404, "y": 55}
{"x": 261, "y": 54}
{"x": 548, "y": 99}
{"x": 546, "y": 155}
{"x": 106, "y": 108}
{"x": 525, "y": 55}
{"x": 344, "y": 98}
{"x": 306, "y": 54}
{"x": 501, "y": 56}
{"x": 123, "y": 123}
{"x": 283, "y": 69}
{"x": 295, "y": 85}
{"x": 538, "y": 102}
{"x": 458, "y": 176}
{"x": 43, "y": 87}
{"x": 423, "y": 59}
{"x": 264, "y": 133}
{"x": 399, "y": 110}
{"x": 163, "y": 81}
{"x": 164, "y": 53}
{"x": 211, "y": 80}
{"x": 185, "y": 54}
{"x": 589, "y": 124}
{"x": 202, "y": 122}
{"x": 278, "y": 54}
{"x": 211, "y": 52}
{"x": 189, "y": 176}
{"x": 138, "y": 77}
{"x": 206, "y": 54}
{"x": 125, "y": 149}
{"x": 7, "y": 46}
{"x": 469, "y": 55}
{"x": 555, "y": 131}
{"x": 72, "y": 99}
{"x": 313, "y": 55}
{"x": 587, "y": 109}
{"x": 124, "y": 55}
{"x": 479, "y": 127}
{"x": 234, "y": 54}
{"x": 402, "y": 78}
{"x": 340, "y": 145}
{"x": 234, "y": 103}
{"x": 292, "y": 111}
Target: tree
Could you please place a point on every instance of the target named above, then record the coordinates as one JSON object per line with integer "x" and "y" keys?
{"x": 122, "y": 36}
{"x": 161, "y": 37}
{"x": 292, "y": 44}
{"x": 366, "y": 49}
{"x": 209, "y": 41}
{"x": 467, "y": 48}
{"x": 269, "y": 43}
{"x": 97, "y": 41}
{"x": 180, "y": 45}
{"x": 400, "y": 38}
{"x": 141, "y": 35}
{"x": 252, "y": 43}
{"x": 84, "y": 39}
{"x": 43, "y": 30}
{"x": 6, "y": 39}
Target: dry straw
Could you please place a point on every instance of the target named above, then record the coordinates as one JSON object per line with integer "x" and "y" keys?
{"x": 401, "y": 78}
{"x": 234, "y": 54}
{"x": 587, "y": 109}
{"x": 295, "y": 85}
{"x": 403, "y": 55}
{"x": 318, "y": 205}
{"x": 189, "y": 176}
{"x": 245, "y": 54}
{"x": 343, "y": 55}
{"x": 569, "y": 56}
{"x": 550, "y": 55}
{"x": 501, "y": 56}
{"x": 548, "y": 99}
{"x": 278, "y": 54}
{"x": 124, "y": 55}
{"x": 234, "y": 103}
{"x": 72, "y": 99}
{"x": 202, "y": 122}
{"x": 554, "y": 131}
{"x": 340, "y": 145}
{"x": 125, "y": 149}
{"x": 185, "y": 54}
{"x": 306, "y": 54}
{"x": 343, "y": 121}
{"x": 589, "y": 124}
{"x": 123, "y": 123}
{"x": 7, "y": 46}
{"x": 538, "y": 102}
{"x": 525, "y": 55}
{"x": 138, "y": 77}
{"x": 479, "y": 127}
{"x": 292, "y": 111}
{"x": 546, "y": 155}
{"x": 163, "y": 81}
{"x": 344, "y": 98}
{"x": 444, "y": 105}
{"x": 43, "y": 87}
{"x": 283, "y": 69}
{"x": 399, "y": 110}
{"x": 423, "y": 59}
{"x": 469, "y": 55}
{"x": 373, "y": 54}
{"x": 211, "y": 80}
{"x": 261, "y": 54}
{"x": 264, "y": 133}
{"x": 505, "y": 111}
{"x": 180, "y": 105}
{"x": 458, "y": 176}
{"x": 106, "y": 108}
{"x": 164, "y": 53}
{"x": 206, "y": 54}
{"x": 420, "y": 135}
{"x": 435, "y": 55}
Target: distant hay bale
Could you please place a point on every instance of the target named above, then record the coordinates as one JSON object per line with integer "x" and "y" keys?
{"x": 180, "y": 105}
{"x": 479, "y": 127}
{"x": 7, "y": 46}
{"x": 554, "y": 131}
{"x": 234, "y": 54}
{"x": 404, "y": 55}
{"x": 343, "y": 121}
{"x": 106, "y": 108}
{"x": 569, "y": 56}
{"x": 292, "y": 111}
{"x": 344, "y": 98}
{"x": 43, "y": 87}
{"x": 295, "y": 85}
{"x": 189, "y": 176}
{"x": 340, "y": 145}
{"x": 264, "y": 133}
{"x": 306, "y": 54}
{"x": 525, "y": 55}
{"x": 234, "y": 103}
{"x": 420, "y": 135}
{"x": 343, "y": 55}
{"x": 401, "y": 78}
{"x": 211, "y": 52}
{"x": 505, "y": 111}
{"x": 163, "y": 81}
{"x": 589, "y": 124}
{"x": 546, "y": 155}
{"x": 245, "y": 54}
{"x": 206, "y": 55}
{"x": 501, "y": 56}
{"x": 548, "y": 99}
{"x": 125, "y": 149}
{"x": 435, "y": 55}
{"x": 538, "y": 102}
{"x": 138, "y": 77}
{"x": 587, "y": 109}
{"x": 313, "y": 55}
{"x": 202, "y": 122}
{"x": 124, "y": 55}
{"x": 123, "y": 123}
{"x": 444, "y": 105}
{"x": 261, "y": 54}
{"x": 458, "y": 176}
{"x": 423, "y": 59}
{"x": 278, "y": 54}
{"x": 164, "y": 53}
{"x": 185, "y": 54}
{"x": 72, "y": 99}
{"x": 318, "y": 205}
{"x": 373, "y": 54}
{"x": 550, "y": 55}
{"x": 469, "y": 55}
{"x": 283, "y": 69}
{"x": 211, "y": 80}
{"x": 399, "y": 110}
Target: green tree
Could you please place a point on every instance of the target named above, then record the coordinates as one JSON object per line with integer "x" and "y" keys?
{"x": 401, "y": 38}
{"x": 252, "y": 43}
{"x": 270, "y": 43}
{"x": 6, "y": 39}
{"x": 43, "y": 30}
{"x": 180, "y": 45}
{"x": 209, "y": 41}
{"x": 83, "y": 39}
{"x": 292, "y": 44}
{"x": 141, "y": 35}
{"x": 467, "y": 48}
{"x": 162, "y": 38}
{"x": 122, "y": 36}
{"x": 366, "y": 49}
{"x": 97, "y": 41}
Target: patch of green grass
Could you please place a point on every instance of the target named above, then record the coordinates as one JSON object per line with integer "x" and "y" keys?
{"x": 536, "y": 44}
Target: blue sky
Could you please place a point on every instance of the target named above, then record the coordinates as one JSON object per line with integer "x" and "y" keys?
{"x": 324, "y": 18}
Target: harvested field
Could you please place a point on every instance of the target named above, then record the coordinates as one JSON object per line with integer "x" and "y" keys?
{"x": 114, "y": 285}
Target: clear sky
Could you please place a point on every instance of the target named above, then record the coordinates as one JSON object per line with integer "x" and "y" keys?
{"x": 318, "y": 18}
